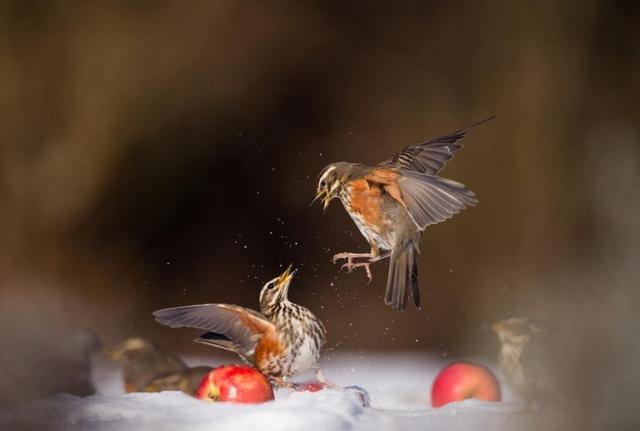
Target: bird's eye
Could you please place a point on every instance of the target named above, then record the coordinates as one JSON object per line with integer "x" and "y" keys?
{"x": 323, "y": 183}
{"x": 271, "y": 285}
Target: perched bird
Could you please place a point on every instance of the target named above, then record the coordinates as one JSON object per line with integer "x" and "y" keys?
{"x": 392, "y": 202}
{"x": 282, "y": 340}
{"x": 143, "y": 362}
{"x": 524, "y": 362}
{"x": 187, "y": 380}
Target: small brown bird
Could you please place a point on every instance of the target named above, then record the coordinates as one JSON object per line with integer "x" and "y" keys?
{"x": 187, "y": 381}
{"x": 392, "y": 202}
{"x": 524, "y": 362}
{"x": 149, "y": 368}
{"x": 283, "y": 340}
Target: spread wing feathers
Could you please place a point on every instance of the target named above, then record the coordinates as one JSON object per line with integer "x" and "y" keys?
{"x": 217, "y": 340}
{"x": 430, "y": 157}
{"x": 431, "y": 199}
{"x": 402, "y": 280}
{"x": 223, "y": 342}
{"x": 243, "y": 327}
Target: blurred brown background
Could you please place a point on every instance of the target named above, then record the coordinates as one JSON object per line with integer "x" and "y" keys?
{"x": 164, "y": 153}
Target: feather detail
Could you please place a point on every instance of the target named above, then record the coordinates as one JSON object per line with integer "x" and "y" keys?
{"x": 242, "y": 326}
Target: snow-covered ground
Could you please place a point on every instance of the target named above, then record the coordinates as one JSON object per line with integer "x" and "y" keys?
{"x": 398, "y": 386}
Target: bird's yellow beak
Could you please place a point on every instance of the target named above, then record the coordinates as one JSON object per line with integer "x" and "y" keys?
{"x": 325, "y": 201}
{"x": 324, "y": 195}
{"x": 319, "y": 194}
{"x": 285, "y": 277}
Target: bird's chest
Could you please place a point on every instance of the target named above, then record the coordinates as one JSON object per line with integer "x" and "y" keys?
{"x": 303, "y": 341}
{"x": 299, "y": 342}
{"x": 511, "y": 366}
{"x": 304, "y": 355}
{"x": 366, "y": 207}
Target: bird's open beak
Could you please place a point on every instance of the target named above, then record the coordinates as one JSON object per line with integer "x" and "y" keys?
{"x": 325, "y": 196}
{"x": 319, "y": 194}
{"x": 325, "y": 201}
{"x": 286, "y": 276}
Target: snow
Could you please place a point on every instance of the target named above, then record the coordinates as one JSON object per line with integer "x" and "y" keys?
{"x": 398, "y": 386}
{"x": 330, "y": 410}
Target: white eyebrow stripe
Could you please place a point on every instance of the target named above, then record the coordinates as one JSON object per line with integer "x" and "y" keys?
{"x": 324, "y": 176}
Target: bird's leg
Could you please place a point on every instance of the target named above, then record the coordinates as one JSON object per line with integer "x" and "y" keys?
{"x": 280, "y": 381}
{"x": 350, "y": 266}
{"x": 322, "y": 379}
{"x": 350, "y": 257}
{"x": 380, "y": 257}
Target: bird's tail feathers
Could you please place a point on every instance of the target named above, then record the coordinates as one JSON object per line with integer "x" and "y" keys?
{"x": 402, "y": 281}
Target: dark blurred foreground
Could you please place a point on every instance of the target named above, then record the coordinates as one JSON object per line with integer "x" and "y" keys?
{"x": 156, "y": 154}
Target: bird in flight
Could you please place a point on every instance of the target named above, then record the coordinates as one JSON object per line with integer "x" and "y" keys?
{"x": 392, "y": 202}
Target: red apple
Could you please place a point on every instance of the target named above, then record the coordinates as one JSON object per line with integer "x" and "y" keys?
{"x": 310, "y": 386}
{"x": 236, "y": 384}
{"x": 461, "y": 380}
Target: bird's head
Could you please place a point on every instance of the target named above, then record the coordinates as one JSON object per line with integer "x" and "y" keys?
{"x": 515, "y": 331}
{"x": 329, "y": 182}
{"x": 128, "y": 347}
{"x": 275, "y": 291}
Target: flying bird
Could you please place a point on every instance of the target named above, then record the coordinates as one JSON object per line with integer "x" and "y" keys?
{"x": 281, "y": 340}
{"x": 392, "y": 202}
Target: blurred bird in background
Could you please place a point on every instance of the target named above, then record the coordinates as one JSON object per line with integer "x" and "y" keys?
{"x": 524, "y": 361}
{"x": 392, "y": 202}
{"x": 283, "y": 340}
{"x": 149, "y": 368}
{"x": 187, "y": 380}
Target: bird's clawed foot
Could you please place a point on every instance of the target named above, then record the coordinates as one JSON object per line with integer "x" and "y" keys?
{"x": 350, "y": 256}
{"x": 350, "y": 265}
{"x": 322, "y": 379}
{"x": 280, "y": 382}
{"x": 322, "y": 383}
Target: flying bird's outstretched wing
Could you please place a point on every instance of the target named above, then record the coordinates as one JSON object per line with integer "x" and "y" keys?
{"x": 430, "y": 157}
{"x": 410, "y": 177}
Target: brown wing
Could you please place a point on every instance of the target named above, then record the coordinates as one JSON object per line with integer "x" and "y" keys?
{"x": 430, "y": 157}
{"x": 427, "y": 198}
{"x": 242, "y": 326}
{"x": 430, "y": 199}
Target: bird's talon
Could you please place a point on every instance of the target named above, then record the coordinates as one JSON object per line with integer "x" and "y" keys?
{"x": 339, "y": 256}
{"x": 369, "y": 276}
